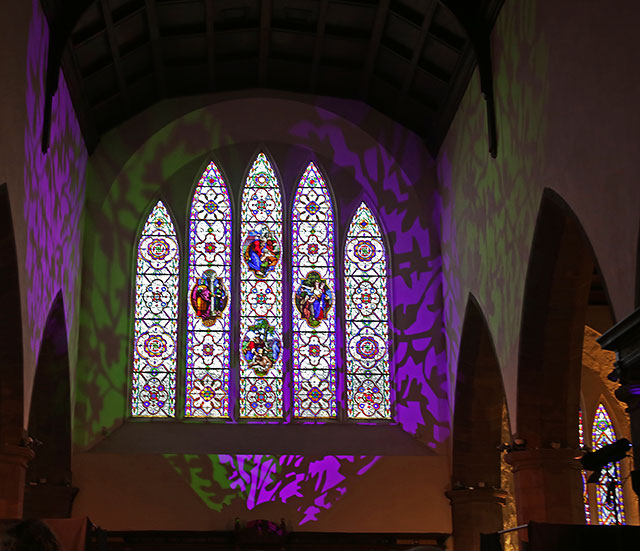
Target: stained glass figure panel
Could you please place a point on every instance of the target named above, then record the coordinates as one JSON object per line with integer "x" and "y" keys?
{"x": 367, "y": 319}
{"x": 608, "y": 490}
{"x": 261, "y": 294}
{"x": 209, "y": 300}
{"x": 313, "y": 279}
{"x": 156, "y": 311}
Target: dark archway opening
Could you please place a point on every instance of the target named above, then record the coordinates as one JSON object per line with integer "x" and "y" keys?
{"x": 563, "y": 278}
{"x": 48, "y": 493}
{"x": 477, "y": 494}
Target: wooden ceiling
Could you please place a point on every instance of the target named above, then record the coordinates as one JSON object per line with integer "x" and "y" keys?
{"x": 409, "y": 59}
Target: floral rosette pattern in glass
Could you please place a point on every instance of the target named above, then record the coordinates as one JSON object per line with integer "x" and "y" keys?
{"x": 208, "y": 321}
{"x": 313, "y": 277}
{"x": 153, "y": 389}
{"x": 610, "y": 503}
{"x": 261, "y": 294}
{"x": 367, "y": 319}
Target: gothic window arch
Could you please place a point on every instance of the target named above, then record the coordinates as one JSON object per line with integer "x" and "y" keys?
{"x": 153, "y": 389}
{"x": 264, "y": 279}
{"x": 610, "y": 503}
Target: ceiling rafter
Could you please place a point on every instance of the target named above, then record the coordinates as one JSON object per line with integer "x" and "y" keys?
{"x": 211, "y": 52}
{"x": 77, "y": 91}
{"x": 417, "y": 52}
{"x": 156, "y": 52}
{"x": 374, "y": 45}
{"x": 318, "y": 46}
{"x": 115, "y": 54}
{"x": 266, "y": 8}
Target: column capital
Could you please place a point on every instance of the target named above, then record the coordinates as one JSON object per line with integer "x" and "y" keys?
{"x": 16, "y": 455}
{"x": 477, "y": 495}
{"x": 544, "y": 457}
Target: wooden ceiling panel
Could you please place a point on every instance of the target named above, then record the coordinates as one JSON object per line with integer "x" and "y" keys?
{"x": 401, "y": 35}
{"x": 131, "y": 32}
{"x": 136, "y": 63}
{"x": 347, "y": 52}
{"x": 236, "y": 44}
{"x": 101, "y": 85}
{"x": 184, "y": 50}
{"x": 391, "y": 67}
{"x": 350, "y": 19}
{"x": 93, "y": 54}
{"x": 292, "y": 45}
{"x": 411, "y": 59}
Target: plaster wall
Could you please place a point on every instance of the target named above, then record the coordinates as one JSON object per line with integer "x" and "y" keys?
{"x": 46, "y": 190}
{"x": 563, "y": 124}
{"x": 161, "y": 153}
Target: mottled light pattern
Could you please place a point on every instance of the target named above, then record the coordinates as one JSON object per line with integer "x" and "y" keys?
{"x": 585, "y": 493}
{"x": 367, "y": 319}
{"x": 153, "y": 391}
{"x": 313, "y": 280}
{"x": 261, "y": 294}
{"x": 609, "y": 490}
{"x": 209, "y": 300}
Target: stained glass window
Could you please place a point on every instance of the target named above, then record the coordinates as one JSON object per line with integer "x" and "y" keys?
{"x": 313, "y": 281}
{"x": 609, "y": 490}
{"x": 209, "y": 284}
{"x": 367, "y": 319}
{"x": 261, "y": 294}
{"x": 585, "y": 493}
{"x": 156, "y": 313}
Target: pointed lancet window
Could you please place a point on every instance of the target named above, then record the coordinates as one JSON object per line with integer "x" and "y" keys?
{"x": 367, "y": 319}
{"x": 313, "y": 280}
{"x": 209, "y": 285}
{"x": 609, "y": 489}
{"x": 261, "y": 294}
{"x": 156, "y": 311}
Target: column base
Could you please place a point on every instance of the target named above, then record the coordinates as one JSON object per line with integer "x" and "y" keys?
{"x": 13, "y": 467}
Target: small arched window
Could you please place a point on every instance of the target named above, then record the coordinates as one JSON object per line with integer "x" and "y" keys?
{"x": 258, "y": 370}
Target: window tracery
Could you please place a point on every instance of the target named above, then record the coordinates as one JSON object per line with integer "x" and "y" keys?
{"x": 210, "y": 303}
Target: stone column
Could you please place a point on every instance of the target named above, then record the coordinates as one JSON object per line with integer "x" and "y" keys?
{"x": 475, "y": 510}
{"x": 548, "y": 485}
{"x": 13, "y": 467}
{"x": 624, "y": 339}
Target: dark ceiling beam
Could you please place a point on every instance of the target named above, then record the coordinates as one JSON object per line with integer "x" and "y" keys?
{"x": 318, "y": 47}
{"x": 115, "y": 54}
{"x": 478, "y": 30}
{"x": 156, "y": 51}
{"x": 417, "y": 52}
{"x": 374, "y": 45}
{"x": 265, "y": 28}
{"x": 62, "y": 16}
{"x": 81, "y": 106}
{"x": 210, "y": 44}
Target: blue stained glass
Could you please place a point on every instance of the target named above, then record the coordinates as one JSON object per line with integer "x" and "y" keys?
{"x": 209, "y": 299}
{"x": 261, "y": 294}
{"x": 608, "y": 490}
{"x": 156, "y": 310}
{"x": 313, "y": 277}
{"x": 367, "y": 319}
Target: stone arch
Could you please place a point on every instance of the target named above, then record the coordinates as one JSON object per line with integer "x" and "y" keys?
{"x": 48, "y": 493}
{"x": 13, "y": 454}
{"x": 557, "y": 287}
{"x": 477, "y": 498}
{"x": 11, "y": 362}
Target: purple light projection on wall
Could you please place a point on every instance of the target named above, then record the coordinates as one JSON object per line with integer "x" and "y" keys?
{"x": 312, "y": 485}
{"x": 54, "y": 186}
{"x": 418, "y": 358}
